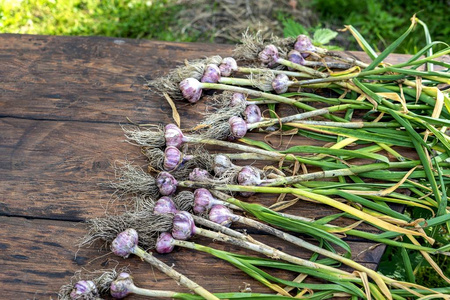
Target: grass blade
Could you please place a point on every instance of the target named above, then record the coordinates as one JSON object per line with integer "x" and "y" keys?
{"x": 259, "y": 144}
{"x": 428, "y": 172}
{"x": 271, "y": 217}
{"x": 428, "y": 41}
{"x": 362, "y": 42}
{"x": 392, "y": 46}
{"x": 405, "y": 123}
{"x": 245, "y": 267}
{"x": 425, "y": 50}
{"x": 408, "y": 267}
{"x": 335, "y": 152}
{"x": 442, "y": 205}
{"x": 345, "y": 287}
{"x": 367, "y": 203}
{"x": 359, "y": 134}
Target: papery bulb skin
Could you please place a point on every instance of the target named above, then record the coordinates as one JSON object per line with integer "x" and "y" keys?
{"x": 252, "y": 114}
{"x": 191, "y": 89}
{"x": 303, "y": 45}
{"x": 296, "y": 57}
{"x": 166, "y": 183}
{"x": 164, "y": 205}
{"x": 120, "y": 288}
{"x": 173, "y": 135}
{"x": 125, "y": 242}
{"x": 203, "y": 200}
{"x": 211, "y": 74}
{"x": 84, "y": 289}
{"x": 227, "y": 66}
{"x": 237, "y": 99}
{"x": 172, "y": 158}
{"x": 183, "y": 225}
{"x": 164, "y": 243}
{"x": 269, "y": 55}
{"x": 281, "y": 83}
{"x": 248, "y": 176}
{"x": 221, "y": 164}
{"x": 222, "y": 215}
{"x": 238, "y": 128}
{"x": 199, "y": 175}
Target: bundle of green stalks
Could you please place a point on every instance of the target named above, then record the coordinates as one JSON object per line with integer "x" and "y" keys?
{"x": 368, "y": 141}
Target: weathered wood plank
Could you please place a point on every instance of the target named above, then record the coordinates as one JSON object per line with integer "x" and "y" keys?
{"x": 87, "y": 78}
{"x": 38, "y": 256}
{"x": 93, "y": 78}
{"x": 61, "y": 169}
{"x": 57, "y": 167}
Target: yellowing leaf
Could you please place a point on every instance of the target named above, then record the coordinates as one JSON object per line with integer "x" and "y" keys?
{"x": 398, "y": 184}
{"x": 439, "y": 101}
{"x": 419, "y": 88}
{"x": 283, "y": 205}
{"x": 354, "y": 69}
{"x": 395, "y": 97}
{"x": 175, "y": 115}
{"x": 365, "y": 281}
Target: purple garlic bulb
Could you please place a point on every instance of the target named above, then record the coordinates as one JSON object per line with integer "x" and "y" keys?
{"x": 252, "y": 114}
{"x": 122, "y": 286}
{"x": 227, "y": 66}
{"x": 191, "y": 89}
{"x": 165, "y": 205}
{"x": 183, "y": 225}
{"x": 221, "y": 164}
{"x": 269, "y": 55}
{"x": 238, "y": 128}
{"x": 84, "y": 289}
{"x": 296, "y": 57}
{"x": 303, "y": 45}
{"x": 125, "y": 243}
{"x": 237, "y": 99}
{"x": 281, "y": 83}
{"x": 200, "y": 175}
{"x": 211, "y": 74}
{"x": 203, "y": 200}
{"x": 167, "y": 184}
{"x": 249, "y": 176}
{"x": 172, "y": 158}
{"x": 164, "y": 243}
{"x": 222, "y": 215}
{"x": 173, "y": 135}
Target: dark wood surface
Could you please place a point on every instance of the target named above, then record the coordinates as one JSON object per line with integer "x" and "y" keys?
{"x": 62, "y": 101}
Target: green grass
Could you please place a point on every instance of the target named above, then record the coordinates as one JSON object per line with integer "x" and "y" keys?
{"x": 382, "y": 21}
{"x": 393, "y": 266}
{"x": 378, "y": 21}
{"x": 118, "y": 18}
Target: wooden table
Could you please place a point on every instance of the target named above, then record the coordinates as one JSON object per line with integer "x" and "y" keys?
{"x": 62, "y": 101}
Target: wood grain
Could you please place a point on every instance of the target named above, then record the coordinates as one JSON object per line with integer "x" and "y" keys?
{"x": 93, "y": 78}
{"x": 88, "y": 79}
{"x": 63, "y": 168}
{"x": 62, "y": 101}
